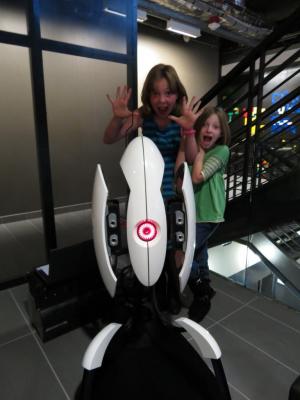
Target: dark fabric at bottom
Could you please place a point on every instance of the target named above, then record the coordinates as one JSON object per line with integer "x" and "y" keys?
{"x": 152, "y": 361}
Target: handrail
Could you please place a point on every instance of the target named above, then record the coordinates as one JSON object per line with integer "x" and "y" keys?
{"x": 254, "y": 54}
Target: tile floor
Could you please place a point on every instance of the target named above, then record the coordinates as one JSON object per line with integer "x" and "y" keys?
{"x": 259, "y": 339}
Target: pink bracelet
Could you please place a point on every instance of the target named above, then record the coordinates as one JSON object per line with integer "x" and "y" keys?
{"x": 187, "y": 132}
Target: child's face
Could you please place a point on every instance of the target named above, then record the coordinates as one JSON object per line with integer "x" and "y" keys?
{"x": 210, "y": 132}
{"x": 161, "y": 99}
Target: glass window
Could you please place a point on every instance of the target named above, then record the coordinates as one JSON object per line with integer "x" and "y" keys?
{"x": 13, "y": 16}
{"x": 77, "y": 112}
{"x": 21, "y": 228}
{"x": 86, "y": 23}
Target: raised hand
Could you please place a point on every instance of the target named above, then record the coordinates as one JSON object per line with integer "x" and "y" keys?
{"x": 120, "y": 103}
{"x": 188, "y": 114}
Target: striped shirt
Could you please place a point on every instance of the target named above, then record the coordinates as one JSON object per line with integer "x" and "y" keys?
{"x": 167, "y": 140}
{"x": 212, "y": 165}
{"x": 210, "y": 194}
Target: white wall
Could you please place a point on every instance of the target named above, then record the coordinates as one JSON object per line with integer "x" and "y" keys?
{"x": 230, "y": 259}
{"x": 195, "y": 63}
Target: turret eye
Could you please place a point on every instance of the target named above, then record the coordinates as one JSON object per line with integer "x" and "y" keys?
{"x": 146, "y": 230}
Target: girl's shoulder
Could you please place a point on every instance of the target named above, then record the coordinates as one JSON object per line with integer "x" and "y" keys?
{"x": 220, "y": 151}
{"x": 220, "y": 148}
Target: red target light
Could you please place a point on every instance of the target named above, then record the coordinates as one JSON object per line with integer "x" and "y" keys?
{"x": 146, "y": 230}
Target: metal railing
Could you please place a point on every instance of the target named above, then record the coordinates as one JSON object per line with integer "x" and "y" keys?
{"x": 287, "y": 238}
{"x": 261, "y": 96}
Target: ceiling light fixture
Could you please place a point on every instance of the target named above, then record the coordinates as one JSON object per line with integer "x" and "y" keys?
{"x": 141, "y": 15}
{"x": 110, "y": 11}
{"x": 183, "y": 29}
{"x": 214, "y": 22}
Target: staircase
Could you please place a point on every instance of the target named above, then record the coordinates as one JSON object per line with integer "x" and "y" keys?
{"x": 261, "y": 96}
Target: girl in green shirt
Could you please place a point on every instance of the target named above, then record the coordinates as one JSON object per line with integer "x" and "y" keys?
{"x": 204, "y": 145}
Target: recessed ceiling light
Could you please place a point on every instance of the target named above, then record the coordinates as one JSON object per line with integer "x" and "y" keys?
{"x": 183, "y": 29}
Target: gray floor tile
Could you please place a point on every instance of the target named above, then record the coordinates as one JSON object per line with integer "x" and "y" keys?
{"x": 21, "y": 249}
{"x": 66, "y": 354}
{"x": 12, "y": 256}
{"x": 37, "y": 224}
{"x": 30, "y": 239}
{"x": 250, "y": 371}
{"x": 270, "y": 336}
{"x": 278, "y": 311}
{"x": 25, "y": 373}
{"x": 12, "y": 324}
{"x": 223, "y": 305}
{"x": 20, "y": 294}
{"x": 236, "y": 394}
{"x": 233, "y": 289}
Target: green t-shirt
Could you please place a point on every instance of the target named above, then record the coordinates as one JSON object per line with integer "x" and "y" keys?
{"x": 210, "y": 194}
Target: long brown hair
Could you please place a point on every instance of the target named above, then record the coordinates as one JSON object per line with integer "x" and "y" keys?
{"x": 220, "y": 113}
{"x": 157, "y": 72}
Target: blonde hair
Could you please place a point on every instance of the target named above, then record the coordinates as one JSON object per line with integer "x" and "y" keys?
{"x": 220, "y": 113}
{"x": 157, "y": 72}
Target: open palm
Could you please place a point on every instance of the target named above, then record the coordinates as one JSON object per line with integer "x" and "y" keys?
{"x": 188, "y": 114}
{"x": 120, "y": 103}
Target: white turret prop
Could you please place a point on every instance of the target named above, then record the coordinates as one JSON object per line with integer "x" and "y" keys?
{"x": 146, "y": 225}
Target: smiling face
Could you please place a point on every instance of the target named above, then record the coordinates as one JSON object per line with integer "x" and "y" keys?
{"x": 162, "y": 100}
{"x": 210, "y": 132}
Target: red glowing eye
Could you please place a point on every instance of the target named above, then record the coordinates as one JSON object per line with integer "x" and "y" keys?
{"x": 146, "y": 230}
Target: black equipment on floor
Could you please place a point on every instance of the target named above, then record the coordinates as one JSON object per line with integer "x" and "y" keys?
{"x": 68, "y": 292}
{"x": 295, "y": 390}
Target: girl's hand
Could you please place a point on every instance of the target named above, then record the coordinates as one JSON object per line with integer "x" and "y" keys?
{"x": 201, "y": 150}
{"x": 120, "y": 103}
{"x": 189, "y": 115}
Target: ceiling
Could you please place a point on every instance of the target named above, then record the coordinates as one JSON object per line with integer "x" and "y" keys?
{"x": 243, "y": 23}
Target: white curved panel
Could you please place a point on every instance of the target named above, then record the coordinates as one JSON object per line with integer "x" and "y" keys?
{"x": 207, "y": 345}
{"x": 132, "y": 164}
{"x": 99, "y": 200}
{"x": 143, "y": 167}
{"x": 94, "y": 354}
{"x": 154, "y": 170}
{"x": 190, "y": 231}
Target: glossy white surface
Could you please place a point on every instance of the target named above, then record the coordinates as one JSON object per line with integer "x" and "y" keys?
{"x": 94, "y": 354}
{"x": 190, "y": 231}
{"x": 100, "y": 194}
{"x": 143, "y": 167}
{"x": 208, "y": 347}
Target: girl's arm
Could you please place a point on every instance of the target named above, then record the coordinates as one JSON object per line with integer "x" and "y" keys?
{"x": 180, "y": 155}
{"x": 179, "y": 161}
{"x": 197, "y": 175}
{"x": 118, "y": 129}
{"x": 203, "y": 171}
{"x": 112, "y": 132}
{"x": 191, "y": 148}
{"x": 186, "y": 121}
